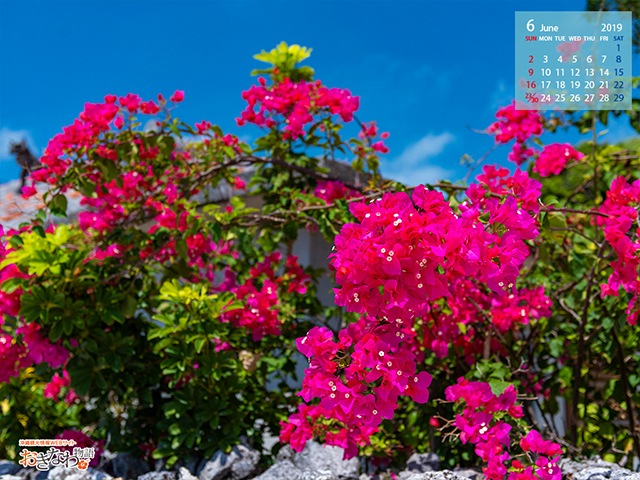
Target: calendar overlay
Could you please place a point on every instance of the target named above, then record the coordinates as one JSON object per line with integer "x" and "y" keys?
{"x": 573, "y": 61}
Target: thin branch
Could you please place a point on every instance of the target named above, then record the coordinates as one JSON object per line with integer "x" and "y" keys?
{"x": 573, "y": 210}
{"x": 137, "y": 264}
{"x": 566, "y": 308}
{"x": 480, "y": 161}
{"x": 577, "y": 190}
{"x": 307, "y": 171}
{"x": 577, "y": 232}
{"x": 577, "y": 375}
{"x": 627, "y": 393}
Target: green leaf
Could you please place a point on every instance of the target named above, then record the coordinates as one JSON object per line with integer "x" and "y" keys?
{"x": 498, "y": 386}
{"x": 16, "y": 241}
{"x": 161, "y": 452}
{"x": 56, "y": 332}
{"x": 129, "y": 306}
{"x": 67, "y": 325}
{"x": 11, "y": 285}
{"x": 101, "y": 383}
{"x": 190, "y": 439}
{"x": 199, "y": 343}
{"x": 40, "y": 231}
{"x": 556, "y": 347}
{"x": 59, "y": 205}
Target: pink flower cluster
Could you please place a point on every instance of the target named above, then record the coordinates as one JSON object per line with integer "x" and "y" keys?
{"x": 83, "y": 441}
{"x": 482, "y": 423}
{"x": 305, "y": 425}
{"x": 369, "y": 132}
{"x": 554, "y": 157}
{"x": 81, "y": 142}
{"x": 135, "y": 186}
{"x": 260, "y": 312}
{"x": 621, "y": 206}
{"x": 399, "y": 254}
{"x": 294, "y": 104}
{"x": 510, "y": 310}
{"x": 52, "y": 390}
{"x": 495, "y": 178}
{"x": 390, "y": 266}
{"x": 471, "y": 306}
{"x": 330, "y": 191}
{"x": 518, "y": 124}
{"x": 548, "y": 468}
{"x": 28, "y": 348}
{"x": 375, "y": 373}
{"x": 10, "y": 302}
{"x": 112, "y": 251}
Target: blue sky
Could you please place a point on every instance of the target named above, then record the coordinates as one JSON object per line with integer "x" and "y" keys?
{"x": 425, "y": 70}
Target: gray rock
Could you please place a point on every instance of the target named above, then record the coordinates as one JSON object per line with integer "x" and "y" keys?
{"x": 190, "y": 462}
{"x": 441, "y": 475}
{"x": 595, "y": 469}
{"x": 386, "y": 475}
{"x": 239, "y": 463}
{"x": 285, "y": 453}
{"x": 420, "y": 463}
{"x": 160, "y": 465}
{"x": 24, "y": 473}
{"x": 32, "y": 474}
{"x": 158, "y": 476}
{"x": 268, "y": 441}
{"x": 318, "y": 458}
{"x": 129, "y": 467}
{"x": 185, "y": 474}
{"x": 315, "y": 462}
{"x": 281, "y": 470}
{"x": 62, "y": 473}
{"x": 469, "y": 473}
{"x": 423, "y": 462}
{"x": 9, "y": 468}
{"x": 246, "y": 464}
{"x": 323, "y": 475}
{"x": 6, "y": 476}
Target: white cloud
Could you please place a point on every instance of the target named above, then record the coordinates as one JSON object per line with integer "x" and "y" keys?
{"x": 417, "y": 176}
{"x": 412, "y": 167}
{"x": 8, "y": 136}
{"x": 501, "y": 96}
{"x": 151, "y": 126}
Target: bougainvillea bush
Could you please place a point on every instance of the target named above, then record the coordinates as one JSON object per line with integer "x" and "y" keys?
{"x": 164, "y": 321}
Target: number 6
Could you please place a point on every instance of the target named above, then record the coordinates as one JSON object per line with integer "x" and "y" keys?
{"x": 530, "y": 25}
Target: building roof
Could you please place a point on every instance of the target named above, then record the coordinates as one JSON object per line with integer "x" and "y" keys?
{"x": 15, "y": 210}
